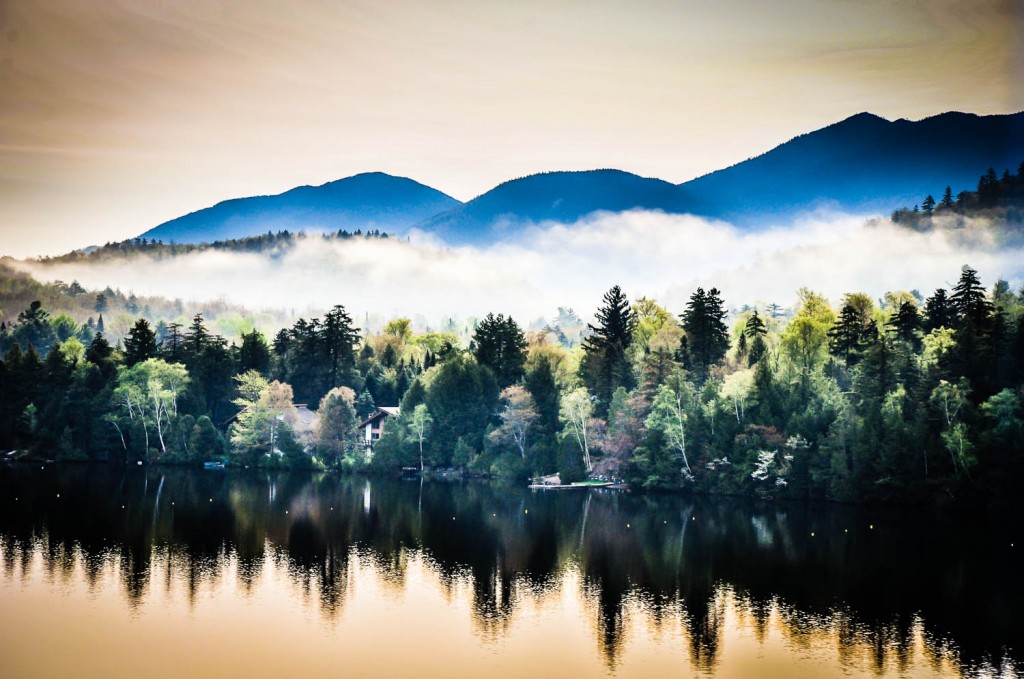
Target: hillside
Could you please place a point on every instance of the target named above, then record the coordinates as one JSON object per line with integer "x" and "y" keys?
{"x": 862, "y": 164}
{"x": 366, "y": 202}
{"x": 555, "y": 196}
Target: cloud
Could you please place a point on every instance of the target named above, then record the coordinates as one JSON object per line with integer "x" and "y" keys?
{"x": 550, "y": 265}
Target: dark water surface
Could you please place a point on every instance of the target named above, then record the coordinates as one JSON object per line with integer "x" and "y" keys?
{"x": 164, "y": 572}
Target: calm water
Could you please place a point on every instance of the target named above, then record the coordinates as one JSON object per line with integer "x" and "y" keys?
{"x": 174, "y": 573}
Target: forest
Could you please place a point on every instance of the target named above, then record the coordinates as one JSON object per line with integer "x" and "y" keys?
{"x": 903, "y": 399}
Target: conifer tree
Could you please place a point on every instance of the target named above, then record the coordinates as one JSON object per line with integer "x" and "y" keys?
{"x": 938, "y": 311}
{"x": 947, "y": 198}
{"x": 706, "y": 333}
{"x": 755, "y": 329}
{"x": 139, "y": 343}
{"x": 605, "y": 366}
{"x": 499, "y": 344}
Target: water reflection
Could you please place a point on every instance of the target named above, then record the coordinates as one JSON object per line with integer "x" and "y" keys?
{"x": 884, "y": 591}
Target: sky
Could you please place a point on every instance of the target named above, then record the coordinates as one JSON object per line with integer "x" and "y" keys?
{"x": 117, "y": 116}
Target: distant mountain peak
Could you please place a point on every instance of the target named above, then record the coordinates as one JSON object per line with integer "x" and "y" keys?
{"x": 365, "y": 201}
{"x": 861, "y": 164}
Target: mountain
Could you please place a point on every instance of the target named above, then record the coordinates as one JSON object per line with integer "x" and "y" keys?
{"x": 555, "y": 196}
{"x": 862, "y": 164}
{"x": 365, "y": 201}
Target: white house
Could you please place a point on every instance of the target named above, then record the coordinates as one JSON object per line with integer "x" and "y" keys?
{"x": 373, "y": 426}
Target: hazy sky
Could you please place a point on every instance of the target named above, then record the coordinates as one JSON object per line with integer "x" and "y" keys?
{"x": 116, "y": 116}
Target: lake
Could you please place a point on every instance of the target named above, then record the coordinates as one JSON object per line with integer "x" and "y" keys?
{"x": 169, "y": 572}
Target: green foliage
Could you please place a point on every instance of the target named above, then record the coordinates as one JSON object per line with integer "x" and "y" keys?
{"x": 336, "y": 436}
{"x": 140, "y": 343}
{"x": 707, "y": 336}
{"x": 461, "y": 398}
{"x": 910, "y": 407}
{"x": 605, "y": 365}
{"x": 499, "y": 344}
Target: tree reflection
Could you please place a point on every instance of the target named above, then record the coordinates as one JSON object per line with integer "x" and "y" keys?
{"x": 875, "y": 585}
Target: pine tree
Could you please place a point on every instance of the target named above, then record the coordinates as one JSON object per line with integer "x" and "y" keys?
{"x": 197, "y": 336}
{"x": 706, "y": 333}
{"x": 938, "y": 311}
{"x": 254, "y": 354}
{"x": 947, "y": 198}
{"x": 499, "y": 344}
{"x": 969, "y": 300}
{"x": 906, "y": 323}
{"x": 848, "y": 336}
{"x": 928, "y": 206}
{"x": 756, "y": 330}
{"x": 338, "y": 340}
{"x": 605, "y": 366}
{"x": 140, "y": 343}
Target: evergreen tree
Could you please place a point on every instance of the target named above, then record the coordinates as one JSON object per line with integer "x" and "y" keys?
{"x": 540, "y": 382}
{"x": 969, "y": 300}
{"x": 947, "y": 199}
{"x": 975, "y": 338}
{"x": 254, "y": 354}
{"x": 938, "y": 311}
{"x": 338, "y": 343}
{"x": 139, "y": 343}
{"x": 928, "y": 206}
{"x": 755, "y": 329}
{"x": 101, "y": 354}
{"x": 173, "y": 347}
{"x": 197, "y": 336}
{"x": 849, "y": 335}
{"x": 907, "y": 324}
{"x": 706, "y": 333}
{"x": 605, "y": 366}
{"x": 499, "y": 344}
{"x": 365, "y": 405}
{"x": 754, "y": 326}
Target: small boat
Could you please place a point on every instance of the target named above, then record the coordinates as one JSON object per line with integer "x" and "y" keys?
{"x": 569, "y": 486}
{"x": 213, "y": 465}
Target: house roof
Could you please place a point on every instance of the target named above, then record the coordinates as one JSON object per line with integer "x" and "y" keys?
{"x": 383, "y": 412}
{"x": 306, "y": 417}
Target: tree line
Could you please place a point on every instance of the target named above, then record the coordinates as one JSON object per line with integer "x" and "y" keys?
{"x": 996, "y": 196}
{"x": 158, "y": 249}
{"x": 902, "y": 399}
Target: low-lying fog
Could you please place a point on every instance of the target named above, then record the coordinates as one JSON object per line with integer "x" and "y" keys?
{"x": 546, "y": 266}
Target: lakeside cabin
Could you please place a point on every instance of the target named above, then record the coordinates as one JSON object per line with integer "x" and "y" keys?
{"x": 373, "y": 426}
{"x": 303, "y": 425}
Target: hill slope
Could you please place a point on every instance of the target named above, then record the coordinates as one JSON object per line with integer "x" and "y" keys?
{"x": 555, "y": 196}
{"x": 365, "y": 201}
{"x": 862, "y": 164}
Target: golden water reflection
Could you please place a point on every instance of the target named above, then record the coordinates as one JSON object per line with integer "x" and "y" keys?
{"x": 177, "y": 573}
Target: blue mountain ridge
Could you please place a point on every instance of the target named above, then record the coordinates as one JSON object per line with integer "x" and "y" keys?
{"x": 368, "y": 201}
{"x": 863, "y": 164}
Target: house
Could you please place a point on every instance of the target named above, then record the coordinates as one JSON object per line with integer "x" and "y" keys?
{"x": 301, "y": 420}
{"x": 373, "y": 426}
{"x": 303, "y": 425}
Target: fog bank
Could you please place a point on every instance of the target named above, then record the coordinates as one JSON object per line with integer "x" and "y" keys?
{"x": 548, "y": 265}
